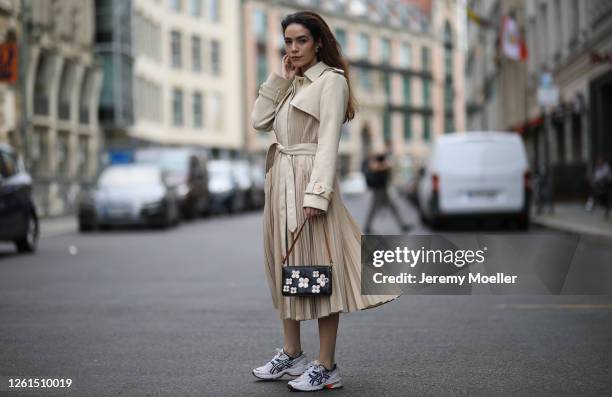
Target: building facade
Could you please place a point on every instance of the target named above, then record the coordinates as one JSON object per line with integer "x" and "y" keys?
{"x": 573, "y": 42}
{"x": 570, "y": 43}
{"x": 58, "y": 91}
{"x": 172, "y": 73}
{"x": 406, "y": 69}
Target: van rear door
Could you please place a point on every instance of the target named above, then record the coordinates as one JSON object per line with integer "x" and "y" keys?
{"x": 482, "y": 176}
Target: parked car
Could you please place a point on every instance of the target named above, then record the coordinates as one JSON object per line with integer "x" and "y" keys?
{"x": 482, "y": 174}
{"x": 186, "y": 169}
{"x": 258, "y": 194}
{"x": 243, "y": 172}
{"x": 18, "y": 216}
{"x": 129, "y": 194}
{"x": 354, "y": 184}
{"x": 223, "y": 187}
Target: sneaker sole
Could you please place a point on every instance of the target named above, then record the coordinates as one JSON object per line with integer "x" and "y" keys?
{"x": 330, "y": 386}
{"x": 278, "y": 376}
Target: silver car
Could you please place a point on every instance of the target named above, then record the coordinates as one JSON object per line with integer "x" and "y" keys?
{"x": 129, "y": 194}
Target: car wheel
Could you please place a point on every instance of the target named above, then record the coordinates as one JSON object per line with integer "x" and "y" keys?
{"x": 29, "y": 242}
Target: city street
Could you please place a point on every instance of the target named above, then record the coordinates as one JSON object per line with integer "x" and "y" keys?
{"x": 187, "y": 312}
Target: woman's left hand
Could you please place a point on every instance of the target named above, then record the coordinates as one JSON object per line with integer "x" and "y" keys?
{"x": 311, "y": 212}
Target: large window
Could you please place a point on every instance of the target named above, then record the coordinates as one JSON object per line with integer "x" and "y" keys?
{"x": 260, "y": 25}
{"x": 387, "y": 125}
{"x": 426, "y": 128}
{"x": 425, "y": 59}
{"x": 195, "y": 7}
{"x": 387, "y": 84}
{"x": 364, "y": 46}
{"x": 196, "y": 53}
{"x": 405, "y": 55}
{"x": 213, "y": 10}
{"x": 407, "y": 127}
{"x": 175, "y": 48}
{"x": 341, "y": 38}
{"x": 406, "y": 90}
{"x": 385, "y": 50}
{"x": 426, "y": 92}
{"x": 175, "y": 5}
{"x": 215, "y": 57}
{"x": 365, "y": 80}
{"x": 177, "y": 107}
{"x": 198, "y": 117}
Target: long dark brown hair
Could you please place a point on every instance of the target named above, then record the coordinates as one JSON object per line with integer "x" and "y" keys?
{"x": 330, "y": 51}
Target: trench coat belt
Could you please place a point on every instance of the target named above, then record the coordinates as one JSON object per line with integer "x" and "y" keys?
{"x": 287, "y": 179}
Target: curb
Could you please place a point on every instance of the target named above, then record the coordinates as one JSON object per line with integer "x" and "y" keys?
{"x": 572, "y": 227}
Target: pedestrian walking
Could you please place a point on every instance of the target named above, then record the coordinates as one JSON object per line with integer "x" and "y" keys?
{"x": 305, "y": 105}
{"x": 377, "y": 169}
{"x": 601, "y": 185}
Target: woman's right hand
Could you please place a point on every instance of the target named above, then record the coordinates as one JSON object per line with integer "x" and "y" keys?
{"x": 288, "y": 71}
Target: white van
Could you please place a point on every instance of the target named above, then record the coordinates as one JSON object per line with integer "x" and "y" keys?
{"x": 476, "y": 174}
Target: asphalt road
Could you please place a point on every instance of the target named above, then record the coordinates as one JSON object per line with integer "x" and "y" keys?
{"x": 187, "y": 312}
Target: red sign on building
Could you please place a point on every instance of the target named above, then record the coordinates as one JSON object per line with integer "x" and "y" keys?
{"x": 8, "y": 62}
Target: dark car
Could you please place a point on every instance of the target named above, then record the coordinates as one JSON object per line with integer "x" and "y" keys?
{"x": 135, "y": 194}
{"x": 185, "y": 168}
{"x": 18, "y": 217}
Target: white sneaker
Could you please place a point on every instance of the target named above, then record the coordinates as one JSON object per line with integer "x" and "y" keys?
{"x": 282, "y": 364}
{"x": 317, "y": 377}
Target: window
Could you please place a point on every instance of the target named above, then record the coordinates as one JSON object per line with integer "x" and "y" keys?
{"x": 405, "y": 55}
{"x": 407, "y": 127}
{"x": 448, "y": 96}
{"x": 215, "y": 57}
{"x": 341, "y": 38}
{"x": 364, "y": 79}
{"x": 176, "y": 5}
{"x": 387, "y": 125}
{"x": 262, "y": 67}
{"x": 426, "y": 93}
{"x": 213, "y": 10}
{"x": 448, "y": 62}
{"x": 196, "y": 53}
{"x": 426, "y": 128}
{"x": 177, "y": 107}
{"x": 195, "y": 7}
{"x": 364, "y": 45}
{"x": 406, "y": 89}
{"x": 448, "y": 123}
{"x": 385, "y": 50}
{"x": 425, "y": 59}
{"x": 387, "y": 84}
{"x": 198, "y": 118}
{"x": 215, "y": 106}
{"x": 260, "y": 26}
{"x": 175, "y": 44}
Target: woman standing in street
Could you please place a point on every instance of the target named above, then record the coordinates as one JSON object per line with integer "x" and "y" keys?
{"x": 306, "y": 106}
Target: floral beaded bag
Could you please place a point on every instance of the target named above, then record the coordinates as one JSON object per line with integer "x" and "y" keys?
{"x": 307, "y": 280}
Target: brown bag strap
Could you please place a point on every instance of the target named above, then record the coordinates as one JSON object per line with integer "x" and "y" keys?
{"x": 331, "y": 261}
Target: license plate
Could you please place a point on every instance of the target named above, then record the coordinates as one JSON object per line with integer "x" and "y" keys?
{"x": 482, "y": 193}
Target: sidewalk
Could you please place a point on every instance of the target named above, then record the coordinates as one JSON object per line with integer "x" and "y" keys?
{"x": 56, "y": 226}
{"x": 572, "y": 217}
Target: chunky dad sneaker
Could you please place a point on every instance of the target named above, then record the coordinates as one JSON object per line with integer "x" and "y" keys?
{"x": 282, "y": 364}
{"x": 317, "y": 377}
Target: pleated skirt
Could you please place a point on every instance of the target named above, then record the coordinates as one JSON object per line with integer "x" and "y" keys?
{"x": 344, "y": 236}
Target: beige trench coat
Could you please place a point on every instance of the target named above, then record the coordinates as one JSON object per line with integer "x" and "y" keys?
{"x": 306, "y": 114}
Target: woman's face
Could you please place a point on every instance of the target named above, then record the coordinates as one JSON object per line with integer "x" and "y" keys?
{"x": 300, "y": 45}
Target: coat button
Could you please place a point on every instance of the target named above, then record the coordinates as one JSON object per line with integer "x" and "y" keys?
{"x": 318, "y": 188}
